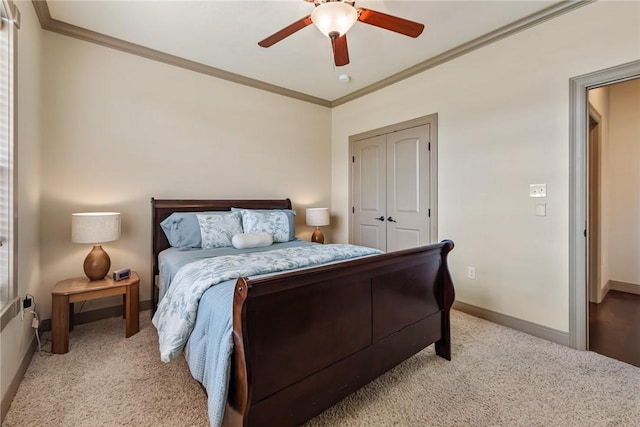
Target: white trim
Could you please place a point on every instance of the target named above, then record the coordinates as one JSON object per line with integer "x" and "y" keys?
{"x": 629, "y": 288}
{"x": 578, "y": 122}
{"x": 12, "y": 305}
{"x": 603, "y": 292}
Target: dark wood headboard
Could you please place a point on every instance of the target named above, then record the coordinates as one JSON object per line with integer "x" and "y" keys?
{"x": 162, "y": 208}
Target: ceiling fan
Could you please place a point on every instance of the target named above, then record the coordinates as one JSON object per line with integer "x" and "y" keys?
{"x": 335, "y": 17}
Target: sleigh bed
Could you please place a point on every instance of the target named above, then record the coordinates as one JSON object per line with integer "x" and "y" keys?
{"x": 305, "y": 339}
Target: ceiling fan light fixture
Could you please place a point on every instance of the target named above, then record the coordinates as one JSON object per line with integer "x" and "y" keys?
{"x": 334, "y": 17}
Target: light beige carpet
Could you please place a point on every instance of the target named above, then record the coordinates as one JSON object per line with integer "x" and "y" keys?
{"x": 498, "y": 377}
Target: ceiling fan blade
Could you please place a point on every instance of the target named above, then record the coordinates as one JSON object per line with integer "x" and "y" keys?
{"x": 286, "y": 32}
{"x": 389, "y": 22}
{"x": 340, "y": 51}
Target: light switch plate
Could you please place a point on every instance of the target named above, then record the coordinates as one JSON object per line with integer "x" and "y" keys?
{"x": 538, "y": 190}
{"x": 541, "y": 209}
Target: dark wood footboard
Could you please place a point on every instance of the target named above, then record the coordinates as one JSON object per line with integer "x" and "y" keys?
{"x": 305, "y": 340}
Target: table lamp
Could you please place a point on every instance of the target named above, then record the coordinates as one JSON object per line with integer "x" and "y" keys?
{"x": 317, "y": 217}
{"x": 95, "y": 228}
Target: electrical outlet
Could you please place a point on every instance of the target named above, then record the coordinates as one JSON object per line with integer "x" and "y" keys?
{"x": 538, "y": 190}
{"x": 471, "y": 272}
{"x": 27, "y": 302}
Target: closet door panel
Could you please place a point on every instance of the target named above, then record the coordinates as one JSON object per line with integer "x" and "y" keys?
{"x": 408, "y": 188}
{"x": 369, "y": 190}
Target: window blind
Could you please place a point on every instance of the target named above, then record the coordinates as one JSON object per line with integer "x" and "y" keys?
{"x": 6, "y": 164}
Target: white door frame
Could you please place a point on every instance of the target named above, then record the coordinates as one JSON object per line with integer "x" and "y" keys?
{"x": 432, "y": 120}
{"x": 578, "y": 133}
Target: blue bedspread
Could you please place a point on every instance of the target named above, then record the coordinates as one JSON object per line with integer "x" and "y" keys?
{"x": 209, "y": 333}
{"x": 172, "y": 259}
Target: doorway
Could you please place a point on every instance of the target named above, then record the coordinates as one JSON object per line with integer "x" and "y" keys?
{"x": 578, "y": 243}
{"x": 613, "y": 227}
{"x": 578, "y": 191}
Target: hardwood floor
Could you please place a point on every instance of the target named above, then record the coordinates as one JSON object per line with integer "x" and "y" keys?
{"x": 614, "y": 327}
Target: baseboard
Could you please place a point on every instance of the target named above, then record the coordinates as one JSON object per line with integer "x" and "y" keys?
{"x": 530, "y": 328}
{"x": 604, "y": 291}
{"x": 17, "y": 379}
{"x": 45, "y": 325}
{"x": 629, "y": 288}
{"x": 93, "y": 315}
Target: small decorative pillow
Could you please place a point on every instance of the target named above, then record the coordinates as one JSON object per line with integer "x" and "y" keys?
{"x": 218, "y": 229}
{"x": 275, "y": 223}
{"x": 251, "y": 240}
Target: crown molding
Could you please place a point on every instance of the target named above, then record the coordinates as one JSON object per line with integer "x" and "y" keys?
{"x": 50, "y": 24}
{"x": 494, "y": 36}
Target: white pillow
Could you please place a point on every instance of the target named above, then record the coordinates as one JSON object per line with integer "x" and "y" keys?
{"x": 251, "y": 240}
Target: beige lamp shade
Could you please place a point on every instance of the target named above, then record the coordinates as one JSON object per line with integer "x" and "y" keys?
{"x": 95, "y": 228}
{"x": 317, "y": 217}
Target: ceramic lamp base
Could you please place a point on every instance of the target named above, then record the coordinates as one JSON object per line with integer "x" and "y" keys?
{"x": 97, "y": 263}
{"x": 317, "y": 236}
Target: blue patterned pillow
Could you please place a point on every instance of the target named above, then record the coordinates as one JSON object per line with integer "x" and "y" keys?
{"x": 275, "y": 223}
{"x": 217, "y": 230}
{"x": 291, "y": 216}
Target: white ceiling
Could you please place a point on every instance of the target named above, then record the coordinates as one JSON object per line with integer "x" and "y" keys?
{"x": 224, "y": 35}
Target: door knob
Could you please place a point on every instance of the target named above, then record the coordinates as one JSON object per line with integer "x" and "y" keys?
{"x": 390, "y": 219}
{"x": 379, "y": 219}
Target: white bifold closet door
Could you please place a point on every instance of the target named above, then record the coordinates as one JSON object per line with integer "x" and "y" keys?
{"x": 391, "y": 200}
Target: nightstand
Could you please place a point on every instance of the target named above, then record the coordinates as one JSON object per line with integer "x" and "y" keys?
{"x": 67, "y": 292}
